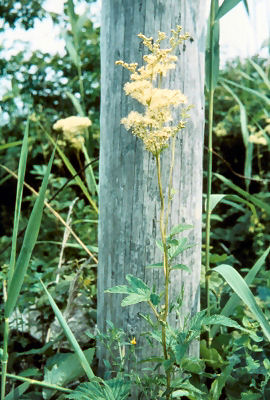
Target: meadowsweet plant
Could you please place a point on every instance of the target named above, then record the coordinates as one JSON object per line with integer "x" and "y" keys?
{"x": 156, "y": 128}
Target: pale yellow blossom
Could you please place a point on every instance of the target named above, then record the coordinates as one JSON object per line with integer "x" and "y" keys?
{"x": 72, "y": 124}
{"x": 154, "y": 125}
{"x": 73, "y": 128}
{"x": 257, "y": 139}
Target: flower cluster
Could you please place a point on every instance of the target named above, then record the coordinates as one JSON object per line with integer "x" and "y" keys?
{"x": 154, "y": 126}
{"x": 73, "y": 128}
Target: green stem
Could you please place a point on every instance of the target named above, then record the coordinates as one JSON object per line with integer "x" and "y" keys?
{"x": 4, "y": 359}
{"x": 39, "y": 383}
{"x": 170, "y": 183}
{"x": 166, "y": 272}
{"x": 209, "y": 159}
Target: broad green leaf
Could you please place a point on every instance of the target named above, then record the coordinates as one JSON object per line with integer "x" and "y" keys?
{"x": 181, "y": 248}
{"x": 137, "y": 284}
{"x": 237, "y": 283}
{"x": 159, "y": 244}
{"x": 76, "y": 104}
{"x": 225, "y": 7}
{"x": 192, "y": 364}
{"x": 135, "y": 298}
{"x": 234, "y": 299}
{"x": 247, "y": 89}
{"x": 69, "y": 335}
{"x": 179, "y": 392}
{"x": 155, "y": 299}
{"x": 21, "y": 174}
{"x": 16, "y": 393}
{"x": 251, "y": 198}
{"x": 230, "y": 323}
{"x": 29, "y": 241}
{"x": 219, "y": 383}
{"x": 119, "y": 289}
{"x": 181, "y": 266}
{"x": 180, "y": 228}
{"x": 157, "y": 265}
{"x": 211, "y": 356}
{"x": 217, "y": 258}
{"x": 113, "y": 389}
{"x": 66, "y": 368}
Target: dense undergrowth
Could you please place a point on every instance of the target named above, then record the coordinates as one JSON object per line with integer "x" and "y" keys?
{"x": 45, "y": 88}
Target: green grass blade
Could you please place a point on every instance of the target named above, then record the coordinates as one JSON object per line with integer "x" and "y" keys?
{"x": 239, "y": 286}
{"x": 251, "y": 91}
{"x": 71, "y": 338}
{"x": 76, "y": 104}
{"x": 246, "y": 6}
{"x": 89, "y": 173}
{"x": 212, "y": 51}
{"x": 74, "y": 172}
{"x": 232, "y": 303}
{"x": 225, "y": 7}
{"x": 217, "y": 198}
{"x": 29, "y": 241}
{"x": 251, "y": 198}
{"x": 12, "y": 144}
{"x": 16, "y": 393}
{"x": 21, "y": 174}
{"x": 260, "y": 72}
{"x": 245, "y": 135}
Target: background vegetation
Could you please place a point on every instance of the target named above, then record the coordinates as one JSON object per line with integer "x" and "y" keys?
{"x": 46, "y": 88}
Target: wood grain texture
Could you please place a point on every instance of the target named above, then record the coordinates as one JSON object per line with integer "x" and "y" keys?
{"x": 129, "y": 199}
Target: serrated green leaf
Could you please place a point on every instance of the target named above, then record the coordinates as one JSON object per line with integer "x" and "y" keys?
{"x": 159, "y": 244}
{"x": 180, "y": 228}
{"x": 155, "y": 299}
{"x": 119, "y": 289}
{"x": 134, "y": 298}
{"x": 225, "y": 321}
{"x": 181, "y": 248}
{"x": 181, "y": 266}
{"x": 137, "y": 284}
{"x": 192, "y": 364}
{"x": 157, "y": 265}
{"x": 211, "y": 356}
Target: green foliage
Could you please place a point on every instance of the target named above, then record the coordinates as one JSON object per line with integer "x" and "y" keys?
{"x": 113, "y": 389}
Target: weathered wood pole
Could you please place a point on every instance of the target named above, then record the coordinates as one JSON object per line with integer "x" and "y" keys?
{"x": 129, "y": 199}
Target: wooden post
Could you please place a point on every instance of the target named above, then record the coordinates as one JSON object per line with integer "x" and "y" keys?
{"x": 129, "y": 199}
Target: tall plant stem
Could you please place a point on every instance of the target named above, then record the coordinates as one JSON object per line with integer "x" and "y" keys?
{"x": 39, "y": 383}
{"x": 4, "y": 359}
{"x": 166, "y": 270}
{"x": 209, "y": 158}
